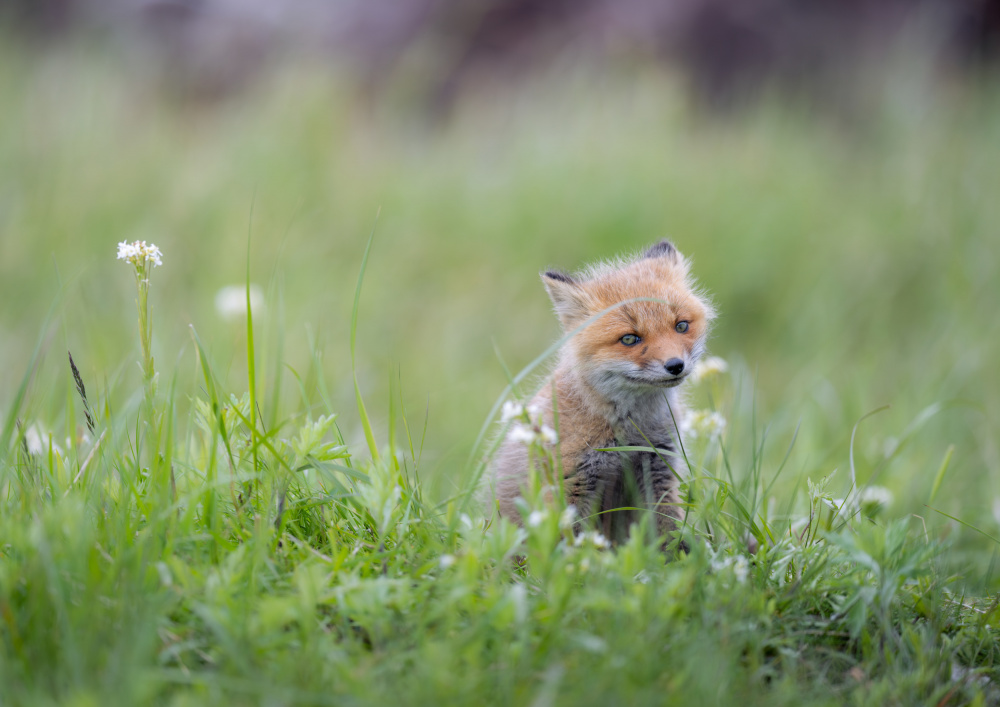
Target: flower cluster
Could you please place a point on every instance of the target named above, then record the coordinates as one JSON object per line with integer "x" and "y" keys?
{"x": 703, "y": 423}
{"x": 709, "y": 368}
{"x": 738, "y": 563}
{"x": 529, "y": 427}
{"x": 594, "y": 538}
{"x": 875, "y": 496}
{"x": 139, "y": 253}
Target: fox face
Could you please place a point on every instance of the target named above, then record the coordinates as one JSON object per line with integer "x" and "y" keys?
{"x": 643, "y": 324}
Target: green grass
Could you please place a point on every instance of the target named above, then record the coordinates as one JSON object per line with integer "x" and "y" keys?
{"x": 291, "y": 520}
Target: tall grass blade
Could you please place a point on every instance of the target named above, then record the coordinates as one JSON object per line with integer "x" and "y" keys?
{"x": 251, "y": 357}
{"x": 362, "y": 412}
{"x": 82, "y": 390}
{"x": 970, "y": 526}
{"x": 939, "y": 477}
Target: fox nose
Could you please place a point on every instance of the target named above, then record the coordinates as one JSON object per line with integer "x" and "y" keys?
{"x": 674, "y": 366}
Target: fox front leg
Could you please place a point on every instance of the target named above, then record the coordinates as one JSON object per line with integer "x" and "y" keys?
{"x": 597, "y": 474}
{"x": 658, "y": 487}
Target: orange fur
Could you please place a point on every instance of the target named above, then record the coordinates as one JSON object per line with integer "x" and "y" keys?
{"x": 611, "y": 394}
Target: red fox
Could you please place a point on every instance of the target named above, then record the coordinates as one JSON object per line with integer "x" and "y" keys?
{"x": 616, "y": 386}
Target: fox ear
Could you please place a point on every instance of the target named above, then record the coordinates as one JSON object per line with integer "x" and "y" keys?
{"x": 567, "y": 297}
{"x": 663, "y": 249}
{"x": 666, "y": 250}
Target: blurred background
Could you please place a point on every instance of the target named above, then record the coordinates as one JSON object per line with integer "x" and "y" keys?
{"x": 832, "y": 167}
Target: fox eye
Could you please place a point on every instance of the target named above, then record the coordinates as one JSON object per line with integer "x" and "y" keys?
{"x": 630, "y": 339}
{"x": 681, "y": 327}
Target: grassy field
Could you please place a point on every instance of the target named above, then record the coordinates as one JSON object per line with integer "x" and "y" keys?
{"x": 218, "y": 537}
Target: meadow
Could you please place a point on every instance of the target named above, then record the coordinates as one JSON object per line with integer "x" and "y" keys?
{"x": 280, "y": 508}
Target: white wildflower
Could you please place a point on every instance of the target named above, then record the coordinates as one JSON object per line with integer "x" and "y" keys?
{"x": 522, "y": 433}
{"x": 703, "y": 423}
{"x": 584, "y": 564}
{"x": 844, "y": 507}
{"x": 33, "y": 439}
{"x": 600, "y": 542}
{"x": 739, "y": 565}
{"x": 741, "y": 568}
{"x": 536, "y": 518}
{"x": 511, "y": 410}
{"x": 139, "y": 253}
{"x": 534, "y": 413}
{"x": 709, "y": 368}
{"x": 874, "y": 499}
{"x": 875, "y": 495}
{"x": 567, "y": 518}
{"x": 446, "y": 561}
{"x": 231, "y": 301}
{"x": 39, "y": 441}
{"x": 534, "y": 433}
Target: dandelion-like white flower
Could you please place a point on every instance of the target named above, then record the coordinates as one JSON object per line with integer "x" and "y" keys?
{"x": 534, "y": 413}
{"x": 231, "y": 301}
{"x": 511, "y": 410}
{"x": 536, "y": 518}
{"x": 703, "y": 423}
{"x": 844, "y": 507}
{"x": 739, "y": 565}
{"x": 875, "y": 495}
{"x": 600, "y": 542}
{"x": 567, "y": 518}
{"x": 741, "y": 568}
{"x": 522, "y": 433}
{"x": 446, "y": 561}
{"x": 708, "y": 368}
{"x": 139, "y": 253}
{"x": 548, "y": 436}
{"x": 873, "y": 499}
{"x": 33, "y": 439}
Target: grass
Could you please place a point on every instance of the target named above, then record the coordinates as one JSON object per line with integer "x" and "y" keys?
{"x": 272, "y": 523}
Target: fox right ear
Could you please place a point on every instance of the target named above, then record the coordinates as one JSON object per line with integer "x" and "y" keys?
{"x": 567, "y": 297}
{"x": 661, "y": 250}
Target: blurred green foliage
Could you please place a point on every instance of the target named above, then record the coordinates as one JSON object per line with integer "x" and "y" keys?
{"x": 853, "y": 254}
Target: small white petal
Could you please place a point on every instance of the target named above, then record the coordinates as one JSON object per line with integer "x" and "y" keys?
{"x": 231, "y": 301}
{"x": 709, "y": 367}
{"x": 522, "y": 433}
{"x": 511, "y": 409}
{"x": 536, "y": 518}
{"x": 875, "y": 495}
{"x": 600, "y": 542}
{"x": 567, "y": 518}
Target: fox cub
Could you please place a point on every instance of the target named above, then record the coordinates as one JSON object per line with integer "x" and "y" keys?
{"x": 616, "y": 385}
